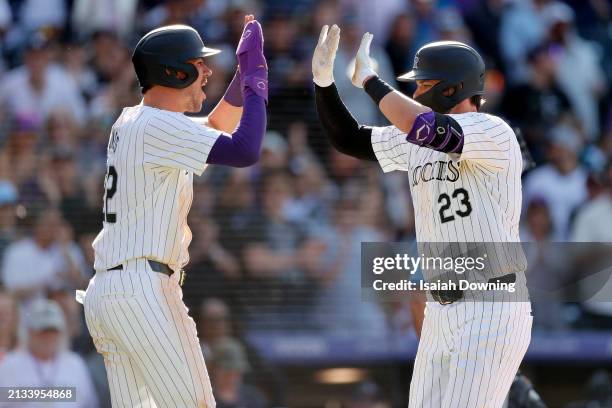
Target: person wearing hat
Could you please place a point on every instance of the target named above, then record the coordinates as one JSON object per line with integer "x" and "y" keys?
{"x": 44, "y": 361}
{"x": 229, "y": 365}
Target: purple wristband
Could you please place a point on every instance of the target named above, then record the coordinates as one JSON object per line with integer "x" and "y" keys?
{"x": 233, "y": 94}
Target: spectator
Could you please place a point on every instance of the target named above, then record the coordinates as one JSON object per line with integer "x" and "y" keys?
{"x": 400, "y": 46}
{"x": 40, "y": 86}
{"x": 340, "y": 308}
{"x": 19, "y": 158}
{"x": 425, "y": 12}
{"x": 592, "y": 224}
{"x": 483, "y": 21}
{"x": 537, "y": 105}
{"x": 89, "y": 16}
{"x": 43, "y": 260}
{"x": 42, "y": 14}
{"x": 228, "y": 366}
{"x": 522, "y": 28}
{"x": 594, "y": 218}
{"x": 314, "y": 195}
{"x": 548, "y": 269}
{"x": 77, "y": 336}
{"x": 8, "y": 323}
{"x": 375, "y": 16}
{"x": 278, "y": 260}
{"x": 578, "y": 65}
{"x": 64, "y": 188}
{"x": 221, "y": 273}
{"x": 75, "y": 61}
{"x": 213, "y": 324}
{"x": 44, "y": 362}
{"x": 451, "y": 26}
{"x": 562, "y": 183}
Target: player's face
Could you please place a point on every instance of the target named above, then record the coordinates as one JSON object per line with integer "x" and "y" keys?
{"x": 424, "y": 86}
{"x": 195, "y": 91}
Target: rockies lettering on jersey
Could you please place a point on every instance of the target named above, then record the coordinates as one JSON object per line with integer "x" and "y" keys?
{"x": 152, "y": 156}
{"x": 474, "y": 196}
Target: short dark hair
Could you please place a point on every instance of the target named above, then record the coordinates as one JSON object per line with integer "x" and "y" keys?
{"x": 478, "y": 101}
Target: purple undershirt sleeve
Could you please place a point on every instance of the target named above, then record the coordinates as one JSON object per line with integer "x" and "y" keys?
{"x": 243, "y": 147}
{"x": 233, "y": 94}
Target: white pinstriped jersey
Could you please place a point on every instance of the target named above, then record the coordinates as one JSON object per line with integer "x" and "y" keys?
{"x": 152, "y": 156}
{"x": 471, "y": 197}
{"x": 474, "y": 196}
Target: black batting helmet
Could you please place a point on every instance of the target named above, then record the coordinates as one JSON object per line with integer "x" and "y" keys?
{"x": 456, "y": 65}
{"x": 161, "y": 53}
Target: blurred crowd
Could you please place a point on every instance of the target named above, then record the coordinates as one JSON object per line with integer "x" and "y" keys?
{"x": 276, "y": 246}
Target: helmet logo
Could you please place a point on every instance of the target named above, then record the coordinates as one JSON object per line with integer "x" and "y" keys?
{"x": 416, "y": 62}
{"x": 440, "y": 130}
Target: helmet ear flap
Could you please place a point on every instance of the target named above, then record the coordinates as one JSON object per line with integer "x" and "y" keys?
{"x": 169, "y": 75}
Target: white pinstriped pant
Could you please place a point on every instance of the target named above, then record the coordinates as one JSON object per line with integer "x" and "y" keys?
{"x": 469, "y": 353}
{"x": 151, "y": 351}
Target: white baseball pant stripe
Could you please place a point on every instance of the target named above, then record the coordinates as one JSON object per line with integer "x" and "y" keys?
{"x": 469, "y": 353}
{"x": 151, "y": 350}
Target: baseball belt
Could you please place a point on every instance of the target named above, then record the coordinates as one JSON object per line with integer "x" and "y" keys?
{"x": 156, "y": 267}
{"x": 446, "y": 297}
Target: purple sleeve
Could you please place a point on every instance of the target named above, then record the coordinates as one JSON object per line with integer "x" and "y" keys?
{"x": 243, "y": 147}
{"x": 233, "y": 94}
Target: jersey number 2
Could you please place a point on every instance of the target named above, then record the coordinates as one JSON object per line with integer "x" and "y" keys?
{"x": 111, "y": 188}
{"x": 445, "y": 200}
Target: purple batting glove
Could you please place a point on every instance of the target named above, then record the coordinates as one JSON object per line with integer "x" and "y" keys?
{"x": 251, "y": 60}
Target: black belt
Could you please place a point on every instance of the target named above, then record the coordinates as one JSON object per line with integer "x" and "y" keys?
{"x": 446, "y": 297}
{"x": 156, "y": 267}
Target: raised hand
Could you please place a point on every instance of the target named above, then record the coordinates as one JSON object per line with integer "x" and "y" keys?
{"x": 251, "y": 60}
{"x": 363, "y": 64}
{"x": 324, "y": 56}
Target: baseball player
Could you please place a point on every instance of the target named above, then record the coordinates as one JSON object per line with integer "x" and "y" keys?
{"x": 133, "y": 304}
{"x": 464, "y": 169}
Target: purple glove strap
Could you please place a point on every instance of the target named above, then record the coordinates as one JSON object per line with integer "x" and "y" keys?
{"x": 233, "y": 94}
{"x": 243, "y": 147}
